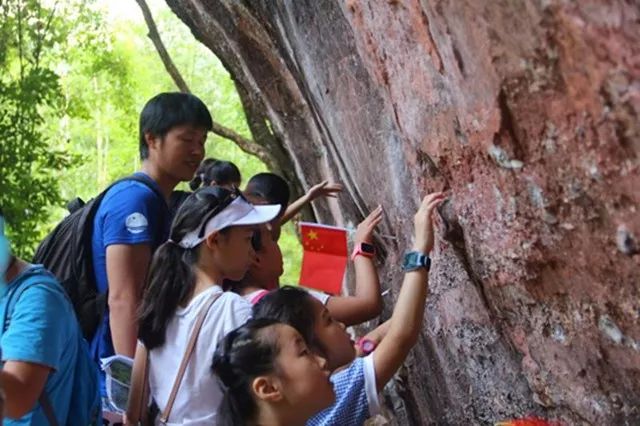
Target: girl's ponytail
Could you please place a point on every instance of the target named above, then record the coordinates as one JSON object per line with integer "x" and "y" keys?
{"x": 241, "y": 356}
{"x": 170, "y": 282}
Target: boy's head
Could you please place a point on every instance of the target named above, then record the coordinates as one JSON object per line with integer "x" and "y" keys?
{"x": 173, "y": 129}
{"x": 271, "y": 188}
{"x": 305, "y": 313}
{"x": 267, "y": 267}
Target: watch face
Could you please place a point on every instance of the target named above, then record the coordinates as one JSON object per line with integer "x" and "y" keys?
{"x": 409, "y": 261}
{"x": 367, "y": 248}
{"x": 368, "y": 346}
{"x": 415, "y": 260}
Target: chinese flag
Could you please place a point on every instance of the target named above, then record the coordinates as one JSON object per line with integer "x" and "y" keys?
{"x": 325, "y": 257}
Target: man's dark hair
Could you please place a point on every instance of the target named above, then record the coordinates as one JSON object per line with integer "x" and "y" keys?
{"x": 167, "y": 110}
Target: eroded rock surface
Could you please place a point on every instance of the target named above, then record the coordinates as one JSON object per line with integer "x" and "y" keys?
{"x": 528, "y": 112}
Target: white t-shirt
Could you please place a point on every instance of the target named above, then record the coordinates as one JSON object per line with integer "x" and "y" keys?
{"x": 253, "y": 296}
{"x": 199, "y": 395}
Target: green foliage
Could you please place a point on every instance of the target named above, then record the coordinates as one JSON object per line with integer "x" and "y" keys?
{"x": 28, "y": 159}
{"x": 78, "y": 109}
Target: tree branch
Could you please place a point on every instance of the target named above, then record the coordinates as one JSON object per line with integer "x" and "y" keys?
{"x": 162, "y": 51}
{"x": 246, "y": 145}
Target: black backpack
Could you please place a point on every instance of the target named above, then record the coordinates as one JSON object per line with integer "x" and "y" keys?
{"x": 67, "y": 253}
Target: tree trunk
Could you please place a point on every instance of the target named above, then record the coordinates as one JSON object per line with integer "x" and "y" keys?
{"x": 528, "y": 113}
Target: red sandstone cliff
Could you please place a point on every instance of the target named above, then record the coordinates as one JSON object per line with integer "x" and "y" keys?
{"x": 528, "y": 111}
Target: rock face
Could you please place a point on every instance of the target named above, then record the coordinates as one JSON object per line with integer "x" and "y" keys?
{"x": 528, "y": 113}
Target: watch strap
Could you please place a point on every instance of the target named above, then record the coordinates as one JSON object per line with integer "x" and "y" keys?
{"x": 357, "y": 251}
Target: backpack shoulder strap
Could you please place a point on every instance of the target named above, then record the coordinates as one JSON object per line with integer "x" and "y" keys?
{"x": 139, "y": 178}
{"x": 135, "y": 178}
{"x": 164, "y": 418}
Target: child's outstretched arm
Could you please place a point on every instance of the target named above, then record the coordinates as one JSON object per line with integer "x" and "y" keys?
{"x": 323, "y": 189}
{"x": 366, "y": 303}
{"x": 406, "y": 320}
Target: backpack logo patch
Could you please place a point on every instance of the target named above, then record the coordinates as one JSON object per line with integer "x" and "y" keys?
{"x": 136, "y": 223}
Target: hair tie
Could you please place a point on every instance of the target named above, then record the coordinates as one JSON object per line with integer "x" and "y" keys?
{"x": 170, "y": 241}
{"x": 223, "y": 387}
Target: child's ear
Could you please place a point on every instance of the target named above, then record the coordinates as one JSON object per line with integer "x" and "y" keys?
{"x": 213, "y": 240}
{"x": 267, "y": 389}
{"x": 151, "y": 140}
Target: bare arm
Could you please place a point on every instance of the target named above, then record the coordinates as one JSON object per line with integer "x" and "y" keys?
{"x": 377, "y": 334}
{"x": 22, "y": 383}
{"x": 406, "y": 320}
{"x": 127, "y": 267}
{"x": 366, "y": 303}
{"x": 323, "y": 189}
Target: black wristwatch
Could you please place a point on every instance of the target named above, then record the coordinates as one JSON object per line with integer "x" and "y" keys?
{"x": 415, "y": 260}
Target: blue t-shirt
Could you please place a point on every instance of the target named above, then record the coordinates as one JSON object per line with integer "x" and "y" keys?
{"x": 40, "y": 327}
{"x": 356, "y": 396}
{"x": 130, "y": 213}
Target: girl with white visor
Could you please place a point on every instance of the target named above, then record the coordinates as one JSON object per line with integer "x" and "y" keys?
{"x": 185, "y": 313}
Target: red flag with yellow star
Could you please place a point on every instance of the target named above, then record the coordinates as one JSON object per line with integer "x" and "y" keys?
{"x": 325, "y": 257}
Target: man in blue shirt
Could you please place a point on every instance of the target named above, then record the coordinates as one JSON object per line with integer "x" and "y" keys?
{"x": 132, "y": 220}
{"x": 47, "y": 372}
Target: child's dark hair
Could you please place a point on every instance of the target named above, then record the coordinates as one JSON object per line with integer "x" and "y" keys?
{"x": 245, "y": 353}
{"x": 167, "y": 110}
{"x": 292, "y": 306}
{"x": 219, "y": 171}
{"x": 171, "y": 280}
{"x": 270, "y": 187}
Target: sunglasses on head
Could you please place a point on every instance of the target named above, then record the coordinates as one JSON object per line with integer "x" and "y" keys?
{"x": 224, "y": 198}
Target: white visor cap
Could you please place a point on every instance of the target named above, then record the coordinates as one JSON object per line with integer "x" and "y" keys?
{"x": 238, "y": 213}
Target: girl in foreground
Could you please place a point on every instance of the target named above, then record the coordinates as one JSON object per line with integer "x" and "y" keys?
{"x": 269, "y": 376}
{"x": 358, "y": 384}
